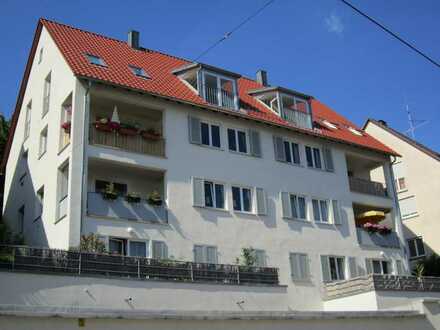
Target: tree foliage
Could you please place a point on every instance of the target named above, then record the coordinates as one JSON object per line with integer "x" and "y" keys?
{"x": 4, "y": 131}
{"x": 92, "y": 243}
{"x": 430, "y": 265}
{"x": 247, "y": 257}
{"x": 8, "y": 237}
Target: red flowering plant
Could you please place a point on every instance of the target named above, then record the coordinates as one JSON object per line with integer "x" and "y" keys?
{"x": 376, "y": 228}
{"x": 66, "y": 126}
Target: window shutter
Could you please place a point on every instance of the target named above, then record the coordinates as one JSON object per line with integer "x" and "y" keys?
{"x": 336, "y": 213}
{"x": 255, "y": 143}
{"x": 399, "y": 267}
{"x": 285, "y": 201}
{"x": 294, "y": 270}
{"x": 198, "y": 192}
{"x": 211, "y": 254}
{"x": 369, "y": 266}
{"x": 198, "y": 254}
{"x": 325, "y": 269}
{"x": 261, "y": 201}
{"x": 328, "y": 159}
{"x": 195, "y": 135}
{"x": 260, "y": 258}
{"x": 353, "y": 267}
{"x": 279, "y": 149}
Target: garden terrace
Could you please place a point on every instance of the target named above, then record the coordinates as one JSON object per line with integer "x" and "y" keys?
{"x": 28, "y": 259}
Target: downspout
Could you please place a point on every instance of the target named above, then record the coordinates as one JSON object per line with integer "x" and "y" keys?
{"x": 85, "y": 144}
{"x": 398, "y": 222}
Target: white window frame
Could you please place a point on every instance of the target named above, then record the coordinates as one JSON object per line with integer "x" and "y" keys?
{"x": 28, "y": 120}
{"x": 399, "y": 189}
{"x": 204, "y": 248}
{"x": 218, "y": 86}
{"x": 303, "y": 276}
{"x": 290, "y": 141}
{"x": 321, "y": 157}
{"x": 236, "y": 130}
{"x": 152, "y": 247}
{"x": 91, "y": 59}
{"x": 344, "y": 270}
{"x": 43, "y": 142}
{"x": 210, "y": 124}
{"x": 39, "y": 203}
{"x": 214, "y": 182}
{"x": 138, "y": 71}
{"x": 297, "y": 206}
{"x": 46, "y": 93}
{"x": 329, "y": 210}
{"x": 389, "y": 262}
{"x": 418, "y": 255}
{"x": 295, "y": 99}
{"x": 253, "y": 193}
{"x": 410, "y": 215}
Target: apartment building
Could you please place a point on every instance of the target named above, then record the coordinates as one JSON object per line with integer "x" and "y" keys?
{"x": 168, "y": 159}
{"x": 416, "y": 172}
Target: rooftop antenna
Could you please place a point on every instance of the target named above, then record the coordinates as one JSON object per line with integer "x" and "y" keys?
{"x": 413, "y": 123}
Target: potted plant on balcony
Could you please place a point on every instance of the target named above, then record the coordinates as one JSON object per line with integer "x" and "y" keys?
{"x": 133, "y": 198}
{"x": 128, "y": 130}
{"x": 66, "y": 126}
{"x": 151, "y": 134}
{"x": 154, "y": 198}
{"x": 102, "y": 124}
{"x": 110, "y": 193}
{"x": 375, "y": 228}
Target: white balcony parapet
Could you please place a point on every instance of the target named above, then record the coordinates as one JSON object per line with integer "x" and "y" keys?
{"x": 390, "y": 240}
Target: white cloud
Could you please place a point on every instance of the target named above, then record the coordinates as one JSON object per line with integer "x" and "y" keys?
{"x": 334, "y": 24}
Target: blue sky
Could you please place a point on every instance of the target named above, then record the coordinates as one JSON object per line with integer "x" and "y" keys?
{"x": 319, "y": 47}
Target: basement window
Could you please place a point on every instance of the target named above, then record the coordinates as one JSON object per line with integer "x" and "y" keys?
{"x": 96, "y": 60}
{"x": 139, "y": 72}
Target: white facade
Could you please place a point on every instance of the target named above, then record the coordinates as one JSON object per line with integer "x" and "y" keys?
{"x": 174, "y": 174}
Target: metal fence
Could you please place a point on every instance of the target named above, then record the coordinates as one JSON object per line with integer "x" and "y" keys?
{"x": 28, "y": 259}
{"x": 214, "y": 95}
{"x": 299, "y": 118}
{"x": 367, "y": 187}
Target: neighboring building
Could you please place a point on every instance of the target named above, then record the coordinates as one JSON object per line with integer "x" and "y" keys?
{"x": 168, "y": 159}
{"x": 417, "y": 181}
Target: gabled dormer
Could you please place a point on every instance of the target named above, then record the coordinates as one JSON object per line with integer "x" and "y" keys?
{"x": 216, "y": 86}
{"x": 290, "y": 105}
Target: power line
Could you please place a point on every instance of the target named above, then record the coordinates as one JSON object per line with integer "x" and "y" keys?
{"x": 414, "y": 48}
{"x": 228, "y": 34}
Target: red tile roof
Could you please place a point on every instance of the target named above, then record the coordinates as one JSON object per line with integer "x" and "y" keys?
{"x": 74, "y": 44}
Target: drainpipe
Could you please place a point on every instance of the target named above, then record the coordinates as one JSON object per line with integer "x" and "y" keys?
{"x": 84, "y": 160}
{"x": 398, "y": 220}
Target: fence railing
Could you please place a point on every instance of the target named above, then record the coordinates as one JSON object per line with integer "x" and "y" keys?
{"x": 381, "y": 283}
{"x": 134, "y": 143}
{"x": 367, "y": 187}
{"x": 220, "y": 97}
{"x": 28, "y": 259}
{"x": 298, "y": 118}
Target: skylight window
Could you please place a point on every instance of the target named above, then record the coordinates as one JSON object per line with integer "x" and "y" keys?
{"x": 137, "y": 71}
{"x": 355, "y": 131}
{"x": 96, "y": 60}
{"x": 329, "y": 124}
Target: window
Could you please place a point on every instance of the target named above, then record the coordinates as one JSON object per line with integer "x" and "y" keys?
{"x": 210, "y": 135}
{"x": 66, "y": 122}
{"x": 313, "y": 157}
{"x": 299, "y": 266}
{"x": 214, "y": 195}
{"x": 242, "y": 199}
{"x": 96, "y": 60}
{"x": 20, "y": 228}
{"x": 320, "y": 210}
{"x": 40, "y": 55}
{"x": 416, "y": 247}
{"x": 400, "y": 270}
{"x": 237, "y": 140}
{"x": 46, "y": 94}
{"x": 205, "y": 254}
{"x": 138, "y": 249}
{"x": 259, "y": 257}
{"x": 120, "y": 188}
{"x": 27, "y": 123}
{"x": 160, "y": 250}
{"x": 333, "y": 268}
{"x": 43, "y": 142}
{"x": 63, "y": 187}
{"x": 408, "y": 207}
{"x": 139, "y": 72}
{"x": 399, "y": 175}
{"x": 220, "y": 91}
{"x": 292, "y": 152}
{"x": 39, "y": 207}
{"x": 377, "y": 266}
{"x": 117, "y": 246}
{"x": 298, "y": 207}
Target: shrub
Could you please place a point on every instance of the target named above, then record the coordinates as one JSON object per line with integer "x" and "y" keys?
{"x": 431, "y": 265}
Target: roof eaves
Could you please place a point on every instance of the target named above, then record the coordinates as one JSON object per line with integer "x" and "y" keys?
{"x": 191, "y": 66}
{"x": 269, "y": 89}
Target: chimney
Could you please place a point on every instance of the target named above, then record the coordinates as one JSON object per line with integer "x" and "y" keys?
{"x": 383, "y": 122}
{"x": 262, "y": 77}
{"x": 133, "y": 39}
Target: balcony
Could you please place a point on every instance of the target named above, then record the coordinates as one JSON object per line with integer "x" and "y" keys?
{"x": 120, "y": 208}
{"x": 298, "y": 118}
{"x": 367, "y": 187}
{"x": 27, "y": 259}
{"x": 219, "y": 97}
{"x": 365, "y": 238}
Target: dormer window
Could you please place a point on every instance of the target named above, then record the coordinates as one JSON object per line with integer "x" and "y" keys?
{"x": 96, "y": 60}
{"x": 216, "y": 86}
{"x": 139, "y": 72}
{"x": 289, "y": 105}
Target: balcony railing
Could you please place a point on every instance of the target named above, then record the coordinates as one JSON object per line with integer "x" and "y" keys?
{"x": 298, "y": 118}
{"x": 367, "y": 187}
{"x": 122, "y": 209}
{"x": 29, "y": 259}
{"x": 214, "y": 95}
{"x": 133, "y": 143}
{"x": 381, "y": 283}
{"x": 390, "y": 240}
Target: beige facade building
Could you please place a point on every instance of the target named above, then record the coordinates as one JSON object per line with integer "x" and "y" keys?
{"x": 416, "y": 174}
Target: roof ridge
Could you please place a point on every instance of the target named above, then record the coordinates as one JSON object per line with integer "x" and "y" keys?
{"x": 113, "y": 39}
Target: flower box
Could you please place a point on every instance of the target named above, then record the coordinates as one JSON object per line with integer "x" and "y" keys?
{"x": 127, "y": 131}
{"x": 151, "y": 135}
{"x": 133, "y": 198}
{"x": 103, "y": 127}
{"x": 154, "y": 198}
{"x": 375, "y": 228}
{"x": 110, "y": 195}
{"x": 66, "y": 126}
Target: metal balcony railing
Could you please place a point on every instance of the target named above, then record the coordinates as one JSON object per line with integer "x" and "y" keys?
{"x": 367, "y": 187}
{"x": 220, "y": 97}
{"x": 298, "y": 118}
{"x": 134, "y": 143}
{"x": 28, "y": 259}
